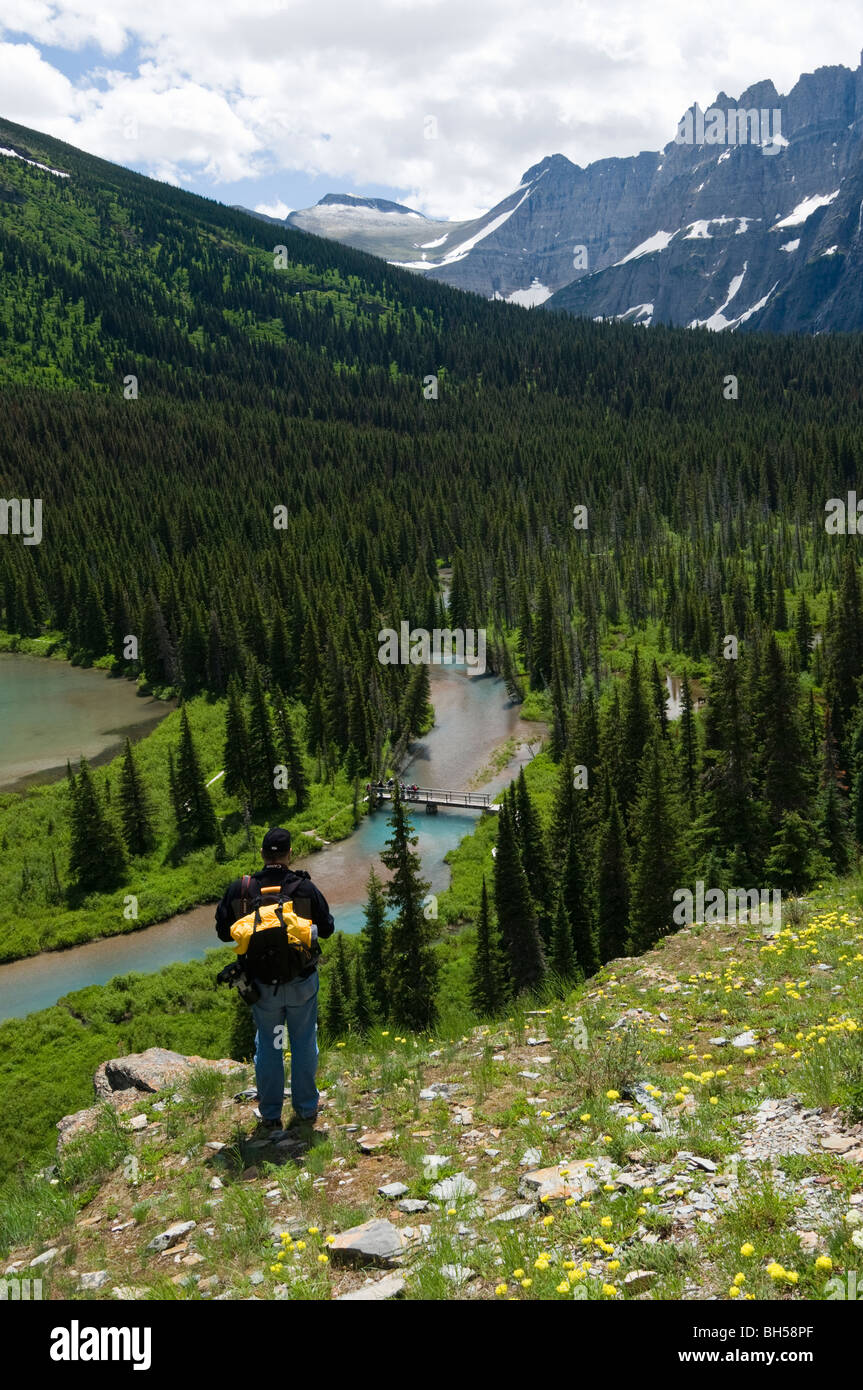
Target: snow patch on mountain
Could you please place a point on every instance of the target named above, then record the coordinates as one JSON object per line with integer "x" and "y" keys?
{"x": 359, "y": 212}
{"x": 639, "y": 313}
{"x": 804, "y": 210}
{"x": 13, "y": 154}
{"x": 459, "y": 252}
{"x": 701, "y": 229}
{"x": 790, "y": 245}
{"x": 536, "y": 293}
{"x": 717, "y": 321}
{"x": 658, "y": 242}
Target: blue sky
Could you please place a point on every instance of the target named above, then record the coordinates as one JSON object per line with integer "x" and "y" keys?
{"x": 435, "y": 103}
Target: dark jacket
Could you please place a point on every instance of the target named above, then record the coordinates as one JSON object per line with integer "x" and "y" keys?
{"x": 297, "y": 882}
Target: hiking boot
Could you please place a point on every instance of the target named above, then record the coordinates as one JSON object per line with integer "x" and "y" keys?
{"x": 265, "y": 1128}
{"x": 297, "y": 1119}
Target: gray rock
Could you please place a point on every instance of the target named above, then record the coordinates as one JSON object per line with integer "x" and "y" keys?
{"x": 457, "y": 1274}
{"x": 156, "y": 1069}
{"x": 645, "y": 1101}
{"x": 256, "y": 1277}
{"x": 374, "y": 1242}
{"x": 444, "y": 1089}
{"x": 46, "y": 1258}
{"x": 747, "y": 1039}
{"x": 75, "y": 1126}
{"x": 637, "y": 1280}
{"x": 391, "y": 1190}
{"x": 97, "y": 1279}
{"x": 412, "y": 1205}
{"x": 433, "y": 1164}
{"x": 138, "y": 1122}
{"x": 530, "y": 1158}
{"x": 171, "y": 1236}
{"x": 389, "y": 1287}
{"x": 459, "y": 1185}
{"x": 718, "y": 1042}
{"x": 517, "y": 1213}
{"x": 295, "y": 1228}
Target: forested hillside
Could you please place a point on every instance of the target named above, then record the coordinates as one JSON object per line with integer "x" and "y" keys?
{"x": 702, "y": 467}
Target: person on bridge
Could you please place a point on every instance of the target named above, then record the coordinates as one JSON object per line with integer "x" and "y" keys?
{"x": 294, "y": 1002}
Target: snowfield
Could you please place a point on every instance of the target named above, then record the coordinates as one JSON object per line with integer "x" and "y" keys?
{"x": 804, "y": 210}
{"x": 13, "y": 154}
{"x": 658, "y": 242}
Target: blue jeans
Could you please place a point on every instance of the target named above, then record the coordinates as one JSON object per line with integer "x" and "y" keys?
{"x": 294, "y": 1004}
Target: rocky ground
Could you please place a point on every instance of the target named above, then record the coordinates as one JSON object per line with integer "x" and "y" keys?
{"x": 678, "y": 1128}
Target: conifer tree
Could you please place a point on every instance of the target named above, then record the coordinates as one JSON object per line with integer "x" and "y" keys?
{"x": 832, "y": 822}
{"x": 562, "y": 956}
{"x": 516, "y": 915}
{"x": 282, "y": 665}
{"x": 789, "y": 863}
{"x": 96, "y": 859}
{"x": 845, "y": 647}
{"x": 636, "y": 730}
{"x": 688, "y": 741}
{"x": 543, "y": 633}
{"x": 193, "y": 652}
{"x": 612, "y": 886}
{"x": 803, "y": 633}
{"x": 459, "y": 603}
{"x": 562, "y": 814}
{"x": 136, "y": 815}
{"x": 487, "y": 989}
{"x": 415, "y": 705}
{"x": 361, "y": 1005}
{"x": 375, "y": 945}
{"x": 587, "y": 743}
{"x": 782, "y": 760}
{"x": 658, "y": 865}
{"x": 196, "y": 819}
{"x": 413, "y": 973}
{"x": 534, "y": 857}
{"x": 660, "y": 698}
{"x": 235, "y": 758}
{"x": 293, "y": 755}
{"x": 577, "y": 900}
{"x": 216, "y": 676}
{"x": 337, "y": 1012}
{"x": 262, "y": 749}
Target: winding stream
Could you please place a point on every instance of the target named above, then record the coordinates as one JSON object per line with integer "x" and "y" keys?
{"x": 473, "y": 717}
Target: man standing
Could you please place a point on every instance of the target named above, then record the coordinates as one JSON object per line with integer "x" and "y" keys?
{"x": 294, "y": 1003}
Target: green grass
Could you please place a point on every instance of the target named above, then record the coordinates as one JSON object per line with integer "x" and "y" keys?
{"x": 161, "y": 883}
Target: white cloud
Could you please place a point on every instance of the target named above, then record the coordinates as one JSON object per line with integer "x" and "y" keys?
{"x": 343, "y": 90}
{"x": 277, "y": 209}
{"x": 34, "y": 93}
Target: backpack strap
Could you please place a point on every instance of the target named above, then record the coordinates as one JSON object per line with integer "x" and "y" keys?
{"x": 248, "y": 893}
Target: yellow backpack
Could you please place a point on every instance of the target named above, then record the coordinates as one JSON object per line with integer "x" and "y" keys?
{"x": 274, "y": 944}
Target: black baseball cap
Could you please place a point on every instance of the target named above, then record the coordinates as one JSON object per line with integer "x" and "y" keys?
{"x": 276, "y": 841}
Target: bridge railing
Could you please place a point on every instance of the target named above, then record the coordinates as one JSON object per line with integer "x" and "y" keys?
{"x": 441, "y": 796}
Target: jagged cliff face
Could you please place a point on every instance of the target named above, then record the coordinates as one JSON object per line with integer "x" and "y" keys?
{"x": 752, "y": 238}
{"x": 735, "y": 224}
